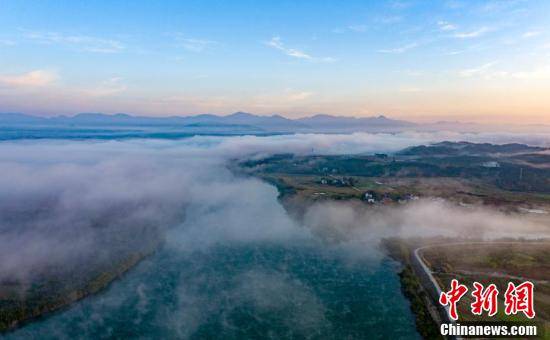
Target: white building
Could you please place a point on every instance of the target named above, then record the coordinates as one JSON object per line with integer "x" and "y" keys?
{"x": 491, "y": 164}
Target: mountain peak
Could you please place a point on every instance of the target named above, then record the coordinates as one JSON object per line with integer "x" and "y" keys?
{"x": 241, "y": 114}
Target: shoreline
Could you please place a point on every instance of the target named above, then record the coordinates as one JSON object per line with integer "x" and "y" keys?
{"x": 425, "y": 312}
{"x": 94, "y": 286}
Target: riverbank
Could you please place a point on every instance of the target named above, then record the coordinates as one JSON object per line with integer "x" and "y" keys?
{"x": 17, "y": 308}
{"x": 426, "y": 316}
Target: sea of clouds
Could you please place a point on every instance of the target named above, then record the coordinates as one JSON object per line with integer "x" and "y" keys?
{"x": 59, "y": 198}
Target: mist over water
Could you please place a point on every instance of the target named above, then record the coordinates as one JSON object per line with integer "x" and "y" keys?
{"x": 230, "y": 263}
{"x": 267, "y": 290}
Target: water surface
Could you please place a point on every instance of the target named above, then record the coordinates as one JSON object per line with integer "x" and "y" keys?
{"x": 261, "y": 290}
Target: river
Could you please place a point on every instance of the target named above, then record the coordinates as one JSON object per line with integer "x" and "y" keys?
{"x": 265, "y": 290}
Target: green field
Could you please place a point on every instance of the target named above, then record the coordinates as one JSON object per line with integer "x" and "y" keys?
{"x": 511, "y": 179}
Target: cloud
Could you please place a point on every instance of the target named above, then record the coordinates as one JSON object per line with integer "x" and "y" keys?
{"x": 36, "y": 78}
{"x": 287, "y": 98}
{"x": 107, "y": 88}
{"x": 446, "y": 26}
{"x": 228, "y": 245}
{"x": 69, "y": 205}
{"x": 79, "y": 42}
{"x": 277, "y": 44}
{"x": 486, "y": 71}
{"x": 530, "y": 34}
{"x": 472, "y": 34}
{"x": 477, "y": 71}
{"x": 539, "y": 72}
{"x": 345, "y": 222}
{"x": 500, "y": 6}
{"x": 454, "y": 52}
{"x": 193, "y": 44}
{"x": 358, "y": 28}
{"x": 7, "y": 42}
{"x": 40, "y": 79}
{"x": 389, "y": 19}
{"x": 296, "y": 96}
{"x": 400, "y": 4}
{"x": 399, "y": 50}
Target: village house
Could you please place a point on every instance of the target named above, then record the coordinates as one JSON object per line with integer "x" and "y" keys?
{"x": 369, "y": 198}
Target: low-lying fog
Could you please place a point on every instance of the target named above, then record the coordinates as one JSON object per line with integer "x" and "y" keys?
{"x": 63, "y": 204}
{"x": 56, "y": 196}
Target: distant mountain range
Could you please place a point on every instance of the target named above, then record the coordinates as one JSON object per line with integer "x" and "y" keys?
{"x": 238, "y": 123}
{"x": 238, "y": 120}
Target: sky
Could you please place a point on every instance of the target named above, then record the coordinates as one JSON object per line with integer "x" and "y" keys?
{"x": 482, "y": 61}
